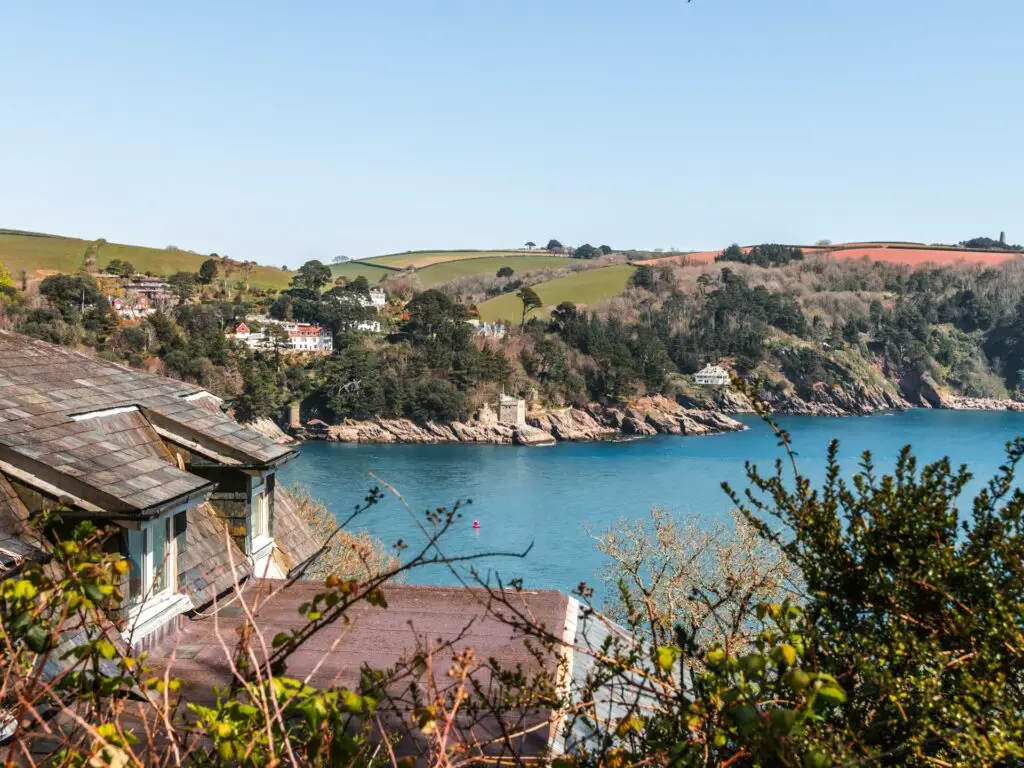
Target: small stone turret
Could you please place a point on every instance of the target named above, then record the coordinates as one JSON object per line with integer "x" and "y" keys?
{"x": 486, "y": 415}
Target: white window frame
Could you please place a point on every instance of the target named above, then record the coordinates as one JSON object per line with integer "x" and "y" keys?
{"x": 260, "y": 533}
{"x": 149, "y": 566}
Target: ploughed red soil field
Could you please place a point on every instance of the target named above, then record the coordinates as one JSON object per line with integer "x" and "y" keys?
{"x": 915, "y": 256}
{"x": 895, "y": 253}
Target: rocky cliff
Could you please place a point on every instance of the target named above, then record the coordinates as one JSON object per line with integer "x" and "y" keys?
{"x": 849, "y": 398}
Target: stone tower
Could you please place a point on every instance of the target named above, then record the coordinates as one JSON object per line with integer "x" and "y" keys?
{"x": 512, "y": 411}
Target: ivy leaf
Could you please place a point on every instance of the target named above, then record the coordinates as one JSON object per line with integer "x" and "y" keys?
{"x": 667, "y": 655}
{"x": 106, "y": 649}
{"x": 831, "y": 695}
{"x": 281, "y": 638}
{"x": 37, "y": 638}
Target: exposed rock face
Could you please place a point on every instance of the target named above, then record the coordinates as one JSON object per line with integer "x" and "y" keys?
{"x": 643, "y": 417}
{"x": 664, "y": 416}
{"x": 527, "y": 435}
{"x": 629, "y": 424}
{"x": 925, "y": 392}
{"x": 853, "y": 399}
{"x": 824, "y": 400}
{"x": 406, "y": 431}
{"x": 922, "y": 391}
{"x": 570, "y": 424}
{"x": 268, "y": 428}
{"x": 964, "y": 403}
{"x": 721, "y": 399}
{"x": 483, "y": 433}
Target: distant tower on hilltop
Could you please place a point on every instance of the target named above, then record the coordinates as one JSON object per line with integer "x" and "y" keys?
{"x": 1002, "y": 238}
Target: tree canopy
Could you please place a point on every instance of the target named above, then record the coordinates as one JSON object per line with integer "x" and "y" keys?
{"x": 120, "y": 268}
{"x": 72, "y": 293}
{"x": 208, "y": 271}
{"x": 766, "y": 255}
{"x": 183, "y": 284}
{"x": 530, "y": 300}
{"x": 312, "y": 276}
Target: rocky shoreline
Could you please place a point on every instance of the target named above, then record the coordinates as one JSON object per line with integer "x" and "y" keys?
{"x": 689, "y": 415}
{"x": 640, "y": 418}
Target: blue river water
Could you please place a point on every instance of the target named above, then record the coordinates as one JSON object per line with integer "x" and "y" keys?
{"x": 551, "y": 496}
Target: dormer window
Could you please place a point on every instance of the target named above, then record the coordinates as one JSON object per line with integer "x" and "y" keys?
{"x": 259, "y": 515}
{"x": 152, "y": 560}
{"x": 259, "y": 520}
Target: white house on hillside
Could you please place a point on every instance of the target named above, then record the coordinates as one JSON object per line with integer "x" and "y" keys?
{"x": 302, "y": 338}
{"x": 712, "y": 375}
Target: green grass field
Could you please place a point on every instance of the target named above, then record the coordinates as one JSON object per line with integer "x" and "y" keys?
{"x": 422, "y": 259}
{"x": 582, "y": 288}
{"x": 447, "y": 271}
{"x": 46, "y": 254}
{"x": 353, "y": 269}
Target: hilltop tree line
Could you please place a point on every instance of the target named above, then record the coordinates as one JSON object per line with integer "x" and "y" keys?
{"x": 988, "y": 244}
{"x": 585, "y": 251}
{"x": 766, "y": 255}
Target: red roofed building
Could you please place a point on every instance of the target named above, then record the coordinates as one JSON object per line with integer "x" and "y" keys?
{"x": 302, "y": 338}
{"x": 132, "y": 306}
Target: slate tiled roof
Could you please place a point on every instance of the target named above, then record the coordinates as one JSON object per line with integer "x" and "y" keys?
{"x": 379, "y": 639}
{"x": 205, "y": 568}
{"x": 112, "y": 462}
{"x": 297, "y": 542}
{"x": 17, "y": 542}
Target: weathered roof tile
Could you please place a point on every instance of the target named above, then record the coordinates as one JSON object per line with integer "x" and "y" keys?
{"x": 43, "y": 386}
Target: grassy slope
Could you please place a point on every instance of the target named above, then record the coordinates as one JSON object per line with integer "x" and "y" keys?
{"x": 353, "y": 269}
{"x": 41, "y": 255}
{"x": 586, "y": 287}
{"x": 427, "y": 258}
{"x": 452, "y": 270}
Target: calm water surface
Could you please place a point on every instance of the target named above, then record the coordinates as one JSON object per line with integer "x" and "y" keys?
{"x": 550, "y": 496}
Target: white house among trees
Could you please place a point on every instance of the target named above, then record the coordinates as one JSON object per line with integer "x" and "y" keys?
{"x": 712, "y": 375}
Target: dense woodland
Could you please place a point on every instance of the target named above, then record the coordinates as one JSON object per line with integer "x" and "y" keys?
{"x": 796, "y": 323}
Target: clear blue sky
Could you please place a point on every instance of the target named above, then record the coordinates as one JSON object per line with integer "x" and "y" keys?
{"x": 282, "y": 132}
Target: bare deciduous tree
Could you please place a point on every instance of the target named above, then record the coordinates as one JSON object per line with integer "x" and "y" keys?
{"x": 664, "y": 572}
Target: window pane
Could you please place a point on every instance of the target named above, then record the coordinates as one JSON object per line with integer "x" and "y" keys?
{"x": 158, "y": 533}
{"x": 264, "y": 514}
{"x": 254, "y": 516}
{"x": 136, "y": 560}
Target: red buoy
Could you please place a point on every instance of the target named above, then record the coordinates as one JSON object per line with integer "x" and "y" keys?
{"x": 476, "y": 523}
